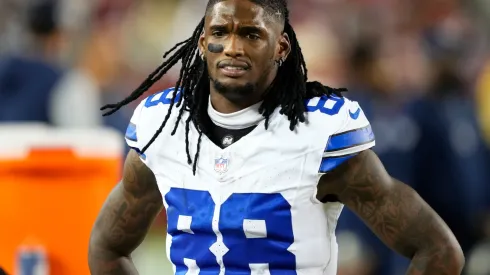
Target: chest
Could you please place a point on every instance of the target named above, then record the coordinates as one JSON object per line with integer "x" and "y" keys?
{"x": 265, "y": 161}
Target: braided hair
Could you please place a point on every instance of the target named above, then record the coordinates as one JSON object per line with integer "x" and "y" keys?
{"x": 288, "y": 91}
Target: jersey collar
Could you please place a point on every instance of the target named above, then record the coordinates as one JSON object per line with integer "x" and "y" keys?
{"x": 238, "y": 120}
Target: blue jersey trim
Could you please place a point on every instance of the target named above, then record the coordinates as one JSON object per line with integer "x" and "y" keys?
{"x": 350, "y": 139}
{"x": 330, "y": 163}
{"x": 131, "y": 132}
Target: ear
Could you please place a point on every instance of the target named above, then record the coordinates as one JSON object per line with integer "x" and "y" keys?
{"x": 202, "y": 44}
{"x": 284, "y": 46}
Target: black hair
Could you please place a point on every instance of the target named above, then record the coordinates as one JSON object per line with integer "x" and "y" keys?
{"x": 42, "y": 17}
{"x": 288, "y": 91}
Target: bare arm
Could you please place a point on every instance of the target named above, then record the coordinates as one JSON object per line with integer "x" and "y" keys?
{"x": 124, "y": 220}
{"x": 396, "y": 214}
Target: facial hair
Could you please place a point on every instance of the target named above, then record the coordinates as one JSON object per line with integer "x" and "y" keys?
{"x": 235, "y": 92}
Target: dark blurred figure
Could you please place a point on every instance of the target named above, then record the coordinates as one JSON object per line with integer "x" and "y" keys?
{"x": 396, "y": 136}
{"x": 26, "y": 81}
{"x": 451, "y": 159}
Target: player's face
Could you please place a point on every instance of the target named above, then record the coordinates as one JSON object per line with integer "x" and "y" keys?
{"x": 241, "y": 43}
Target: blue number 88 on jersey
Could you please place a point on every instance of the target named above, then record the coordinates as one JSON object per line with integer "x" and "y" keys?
{"x": 329, "y": 105}
{"x": 249, "y": 231}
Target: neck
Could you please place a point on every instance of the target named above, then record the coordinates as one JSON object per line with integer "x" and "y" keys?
{"x": 226, "y": 105}
{"x": 244, "y": 118}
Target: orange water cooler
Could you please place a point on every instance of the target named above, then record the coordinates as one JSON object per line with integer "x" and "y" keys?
{"x": 53, "y": 183}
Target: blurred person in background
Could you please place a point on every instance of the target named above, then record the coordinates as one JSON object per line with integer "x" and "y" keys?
{"x": 28, "y": 79}
{"x": 430, "y": 123}
{"x": 451, "y": 158}
{"x": 372, "y": 83}
{"x": 387, "y": 69}
{"x": 34, "y": 86}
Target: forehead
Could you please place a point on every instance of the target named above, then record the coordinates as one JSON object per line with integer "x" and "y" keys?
{"x": 242, "y": 12}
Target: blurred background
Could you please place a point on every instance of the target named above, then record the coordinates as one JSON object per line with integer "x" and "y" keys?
{"x": 420, "y": 69}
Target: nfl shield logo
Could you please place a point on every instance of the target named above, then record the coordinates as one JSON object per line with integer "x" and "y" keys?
{"x": 221, "y": 165}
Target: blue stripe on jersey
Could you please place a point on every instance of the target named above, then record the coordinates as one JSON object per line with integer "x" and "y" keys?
{"x": 143, "y": 156}
{"x": 131, "y": 132}
{"x": 350, "y": 139}
{"x": 328, "y": 164}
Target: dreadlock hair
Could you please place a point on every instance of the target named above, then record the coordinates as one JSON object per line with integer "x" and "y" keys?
{"x": 288, "y": 91}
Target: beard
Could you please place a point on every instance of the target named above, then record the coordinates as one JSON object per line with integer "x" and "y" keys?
{"x": 235, "y": 92}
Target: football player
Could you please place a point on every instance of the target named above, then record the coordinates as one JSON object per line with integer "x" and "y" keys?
{"x": 243, "y": 153}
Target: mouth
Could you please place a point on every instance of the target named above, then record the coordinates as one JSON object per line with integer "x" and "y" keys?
{"x": 233, "y": 68}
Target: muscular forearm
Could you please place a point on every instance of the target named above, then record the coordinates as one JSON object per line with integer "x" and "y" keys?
{"x": 445, "y": 260}
{"x": 104, "y": 262}
{"x": 424, "y": 237}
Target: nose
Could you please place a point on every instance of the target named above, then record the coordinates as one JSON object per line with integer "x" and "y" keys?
{"x": 234, "y": 47}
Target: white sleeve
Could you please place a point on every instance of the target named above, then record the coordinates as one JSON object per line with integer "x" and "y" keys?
{"x": 146, "y": 120}
{"x": 353, "y": 136}
{"x": 131, "y": 136}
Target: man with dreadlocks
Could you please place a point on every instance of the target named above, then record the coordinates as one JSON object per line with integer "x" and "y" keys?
{"x": 270, "y": 160}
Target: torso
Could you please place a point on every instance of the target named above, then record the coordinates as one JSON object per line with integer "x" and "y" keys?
{"x": 252, "y": 206}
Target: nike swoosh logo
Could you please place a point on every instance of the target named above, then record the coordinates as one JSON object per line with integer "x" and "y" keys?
{"x": 356, "y": 114}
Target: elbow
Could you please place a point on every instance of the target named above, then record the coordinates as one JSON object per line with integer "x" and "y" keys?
{"x": 454, "y": 252}
{"x": 97, "y": 247}
{"x": 94, "y": 245}
{"x": 101, "y": 247}
{"x": 99, "y": 255}
{"x": 456, "y": 256}
{"x": 445, "y": 254}
{"x": 450, "y": 255}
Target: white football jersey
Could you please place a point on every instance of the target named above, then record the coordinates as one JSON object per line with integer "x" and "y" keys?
{"x": 251, "y": 208}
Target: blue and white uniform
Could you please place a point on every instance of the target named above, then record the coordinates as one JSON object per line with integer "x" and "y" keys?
{"x": 251, "y": 208}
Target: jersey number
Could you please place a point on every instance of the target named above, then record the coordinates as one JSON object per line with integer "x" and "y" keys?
{"x": 249, "y": 232}
{"x": 164, "y": 97}
{"x": 329, "y": 105}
